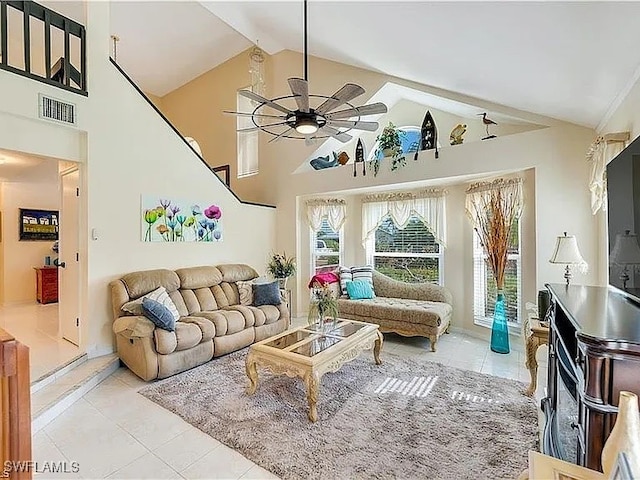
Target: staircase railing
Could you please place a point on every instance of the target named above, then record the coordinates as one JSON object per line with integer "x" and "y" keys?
{"x": 212, "y": 169}
{"x": 63, "y": 74}
{"x": 15, "y": 408}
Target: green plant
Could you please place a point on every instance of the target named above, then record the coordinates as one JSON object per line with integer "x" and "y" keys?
{"x": 389, "y": 145}
{"x": 323, "y": 303}
{"x": 281, "y": 266}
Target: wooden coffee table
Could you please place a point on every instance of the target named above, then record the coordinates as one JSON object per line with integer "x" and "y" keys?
{"x": 307, "y": 353}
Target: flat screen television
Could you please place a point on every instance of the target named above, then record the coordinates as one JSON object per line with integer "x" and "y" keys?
{"x": 623, "y": 192}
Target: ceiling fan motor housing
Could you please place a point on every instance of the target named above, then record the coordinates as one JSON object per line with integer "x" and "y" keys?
{"x": 306, "y": 122}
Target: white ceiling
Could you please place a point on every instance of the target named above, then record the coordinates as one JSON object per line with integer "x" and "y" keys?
{"x": 567, "y": 60}
{"x": 18, "y": 167}
{"x": 164, "y": 45}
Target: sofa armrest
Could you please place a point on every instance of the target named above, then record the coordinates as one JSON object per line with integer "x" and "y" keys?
{"x": 388, "y": 287}
{"x": 134, "y": 326}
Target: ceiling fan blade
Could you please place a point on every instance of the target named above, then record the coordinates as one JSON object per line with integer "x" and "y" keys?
{"x": 253, "y": 129}
{"x": 342, "y": 96}
{"x": 260, "y": 99}
{"x": 338, "y": 135}
{"x": 300, "y": 89}
{"x": 275, "y": 139}
{"x": 249, "y": 114}
{"x": 371, "y": 109}
{"x": 358, "y": 125}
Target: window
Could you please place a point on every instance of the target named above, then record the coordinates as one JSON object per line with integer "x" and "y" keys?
{"x": 326, "y": 248}
{"x": 484, "y": 285}
{"x": 247, "y": 142}
{"x": 410, "y": 254}
{"x": 410, "y": 141}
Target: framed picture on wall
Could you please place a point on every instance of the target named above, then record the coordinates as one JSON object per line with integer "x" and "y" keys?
{"x": 38, "y": 224}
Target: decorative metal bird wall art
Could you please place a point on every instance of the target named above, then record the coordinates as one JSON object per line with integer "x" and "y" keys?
{"x": 455, "y": 137}
{"x": 359, "y": 158}
{"x": 487, "y": 122}
{"x": 429, "y": 135}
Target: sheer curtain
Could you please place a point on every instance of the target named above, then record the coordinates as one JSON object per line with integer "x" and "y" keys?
{"x": 428, "y": 205}
{"x": 602, "y": 151}
{"x": 333, "y": 209}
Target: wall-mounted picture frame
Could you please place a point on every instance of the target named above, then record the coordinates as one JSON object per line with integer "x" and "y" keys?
{"x": 37, "y": 225}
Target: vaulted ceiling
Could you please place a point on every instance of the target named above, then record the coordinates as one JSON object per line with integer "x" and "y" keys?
{"x": 567, "y": 60}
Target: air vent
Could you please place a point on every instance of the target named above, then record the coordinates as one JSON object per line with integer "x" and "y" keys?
{"x": 57, "y": 110}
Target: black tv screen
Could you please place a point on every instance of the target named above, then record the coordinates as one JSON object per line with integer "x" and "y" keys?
{"x": 623, "y": 192}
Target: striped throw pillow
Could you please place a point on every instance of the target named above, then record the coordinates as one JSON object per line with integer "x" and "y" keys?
{"x": 345, "y": 276}
{"x": 363, "y": 274}
{"x": 160, "y": 295}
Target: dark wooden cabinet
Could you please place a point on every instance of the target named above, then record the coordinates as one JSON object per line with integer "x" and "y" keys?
{"x": 594, "y": 353}
{"x": 47, "y": 284}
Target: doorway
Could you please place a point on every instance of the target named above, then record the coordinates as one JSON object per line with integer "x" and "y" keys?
{"x": 39, "y": 300}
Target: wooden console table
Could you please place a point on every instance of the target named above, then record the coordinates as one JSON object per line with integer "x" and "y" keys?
{"x": 46, "y": 284}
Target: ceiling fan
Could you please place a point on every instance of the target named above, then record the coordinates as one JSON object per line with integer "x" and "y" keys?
{"x": 307, "y": 122}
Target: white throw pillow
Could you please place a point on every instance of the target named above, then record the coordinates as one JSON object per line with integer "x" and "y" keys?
{"x": 245, "y": 290}
{"x": 160, "y": 295}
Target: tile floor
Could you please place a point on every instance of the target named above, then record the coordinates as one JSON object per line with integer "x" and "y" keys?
{"x": 113, "y": 432}
{"x": 36, "y": 326}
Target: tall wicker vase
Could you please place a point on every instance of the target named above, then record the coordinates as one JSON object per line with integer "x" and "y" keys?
{"x": 625, "y": 436}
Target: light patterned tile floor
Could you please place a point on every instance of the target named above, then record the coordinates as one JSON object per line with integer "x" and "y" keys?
{"x": 114, "y": 432}
{"x": 36, "y": 326}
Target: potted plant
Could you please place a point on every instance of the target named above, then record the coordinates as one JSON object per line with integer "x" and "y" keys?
{"x": 389, "y": 145}
{"x": 281, "y": 267}
{"x": 323, "y": 309}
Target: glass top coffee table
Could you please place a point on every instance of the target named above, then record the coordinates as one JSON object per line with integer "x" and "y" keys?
{"x": 308, "y": 353}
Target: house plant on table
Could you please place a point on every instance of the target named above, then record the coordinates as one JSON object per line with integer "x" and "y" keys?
{"x": 390, "y": 145}
{"x": 281, "y": 267}
{"x": 323, "y": 309}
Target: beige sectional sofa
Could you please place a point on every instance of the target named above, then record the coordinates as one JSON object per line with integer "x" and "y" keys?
{"x": 212, "y": 321}
{"x": 410, "y": 309}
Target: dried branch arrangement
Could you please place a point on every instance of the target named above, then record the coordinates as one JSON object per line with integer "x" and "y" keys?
{"x": 493, "y": 208}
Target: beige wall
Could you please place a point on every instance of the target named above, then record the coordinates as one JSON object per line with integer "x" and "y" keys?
{"x": 126, "y": 151}
{"x": 19, "y": 257}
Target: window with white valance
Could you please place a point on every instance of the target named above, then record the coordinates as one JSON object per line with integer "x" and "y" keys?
{"x": 404, "y": 234}
{"x": 326, "y": 218}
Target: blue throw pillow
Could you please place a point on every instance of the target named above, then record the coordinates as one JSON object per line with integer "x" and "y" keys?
{"x": 160, "y": 315}
{"x": 266, "y": 294}
{"x": 359, "y": 290}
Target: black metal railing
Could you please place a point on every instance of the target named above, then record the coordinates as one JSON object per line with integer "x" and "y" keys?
{"x": 25, "y": 19}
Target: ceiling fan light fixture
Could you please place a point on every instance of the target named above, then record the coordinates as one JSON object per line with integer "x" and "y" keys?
{"x": 306, "y": 126}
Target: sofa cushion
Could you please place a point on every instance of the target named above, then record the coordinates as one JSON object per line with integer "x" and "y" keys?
{"x": 226, "y": 322}
{"x": 233, "y": 272}
{"x": 246, "y": 312}
{"x": 198, "y": 277}
{"x": 159, "y": 295}
{"x": 160, "y": 315}
{"x": 272, "y": 313}
{"x": 143, "y": 282}
{"x": 266, "y": 294}
{"x": 397, "y": 309}
{"x": 207, "y": 327}
{"x": 359, "y": 290}
{"x": 345, "y": 276}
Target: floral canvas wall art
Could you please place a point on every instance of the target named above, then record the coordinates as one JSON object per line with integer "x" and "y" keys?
{"x": 170, "y": 220}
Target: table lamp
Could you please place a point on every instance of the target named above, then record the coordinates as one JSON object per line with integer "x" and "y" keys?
{"x": 626, "y": 251}
{"x": 567, "y": 253}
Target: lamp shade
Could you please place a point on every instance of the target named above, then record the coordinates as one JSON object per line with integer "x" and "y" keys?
{"x": 566, "y": 251}
{"x": 626, "y": 250}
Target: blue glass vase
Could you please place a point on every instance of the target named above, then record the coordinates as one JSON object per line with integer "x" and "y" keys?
{"x": 499, "y": 329}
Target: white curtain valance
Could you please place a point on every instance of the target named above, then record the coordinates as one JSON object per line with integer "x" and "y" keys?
{"x": 428, "y": 205}
{"x": 601, "y": 152}
{"x": 333, "y": 209}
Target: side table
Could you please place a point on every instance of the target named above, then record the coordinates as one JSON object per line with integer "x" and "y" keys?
{"x": 46, "y": 284}
{"x": 536, "y": 336}
{"x": 285, "y": 295}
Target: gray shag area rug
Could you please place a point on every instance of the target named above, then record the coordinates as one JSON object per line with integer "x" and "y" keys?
{"x": 402, "y": 419}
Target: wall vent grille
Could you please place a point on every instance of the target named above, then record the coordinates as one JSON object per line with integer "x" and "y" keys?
{"x": 57, "y": 110}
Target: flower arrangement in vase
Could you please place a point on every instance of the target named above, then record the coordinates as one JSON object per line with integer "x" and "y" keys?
{"x": 323, "y": 309}
{"x": 281, "y": 267}
{"x": 389, "y": 145}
